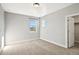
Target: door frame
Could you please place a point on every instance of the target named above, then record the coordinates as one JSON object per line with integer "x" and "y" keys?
{"x": 67, "y": 29}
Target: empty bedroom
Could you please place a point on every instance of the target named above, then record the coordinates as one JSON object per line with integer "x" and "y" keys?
{"x": 39, "y": 28}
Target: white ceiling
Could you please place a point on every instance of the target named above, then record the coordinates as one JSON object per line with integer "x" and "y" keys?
{"x": 29, "y": 9}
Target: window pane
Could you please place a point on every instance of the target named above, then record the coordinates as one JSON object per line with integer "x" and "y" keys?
{"x": 33, "y": 25}
{"x": 44, "y": 23}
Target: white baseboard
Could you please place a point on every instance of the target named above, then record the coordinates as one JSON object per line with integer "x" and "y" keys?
{"x": 16, "y": 42}
{"x": 55, "y": 43}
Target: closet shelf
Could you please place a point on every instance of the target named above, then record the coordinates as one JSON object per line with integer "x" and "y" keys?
{"x": 76, "y": 22}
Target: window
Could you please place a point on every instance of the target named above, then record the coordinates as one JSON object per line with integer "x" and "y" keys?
{"x": 33, "y": 25}
{"x": 44, "y": 23}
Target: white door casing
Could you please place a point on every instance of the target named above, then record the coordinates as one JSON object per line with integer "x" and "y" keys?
{"x": 70, "y": 31}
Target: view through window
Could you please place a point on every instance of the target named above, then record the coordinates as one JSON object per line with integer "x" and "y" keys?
{"x": 33, "y": 25}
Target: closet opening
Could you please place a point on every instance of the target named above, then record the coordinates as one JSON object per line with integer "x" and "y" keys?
{"x": 76, "y": 30}
{"x": 72, "y": 30}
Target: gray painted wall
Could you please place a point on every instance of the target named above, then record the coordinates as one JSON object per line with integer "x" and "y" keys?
{"x": 55, "y": 31}
{"x": 1, "y": 24}
{"x": 17, "y": 28}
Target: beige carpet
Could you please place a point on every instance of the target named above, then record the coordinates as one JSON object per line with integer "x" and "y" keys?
{"x": 39, "y": 47}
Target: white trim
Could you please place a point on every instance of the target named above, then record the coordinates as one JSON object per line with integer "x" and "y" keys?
{"x": 66, "y": 39}
{"x": 19, "y": 41}
{"x": 2, "y": 45}
{"x": 55, "y": 43}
